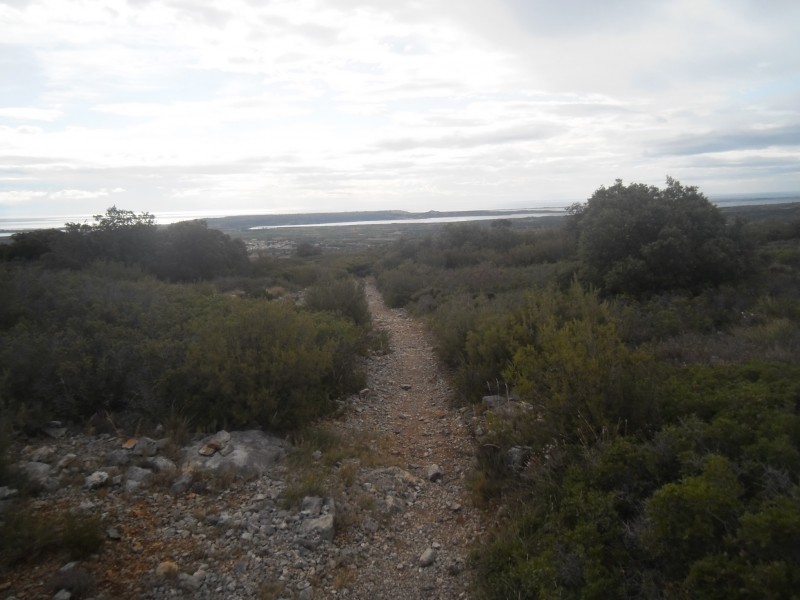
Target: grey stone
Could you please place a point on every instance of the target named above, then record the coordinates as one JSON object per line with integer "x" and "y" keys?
{"x": 254, "y": 453}
{"x": 37, "y": 471}
{"x": 427, "y": 558}
{"x": 137, "y": 474}
{"x": 7, "y": 492}
{"x": 68, "y": 461}
{"x": 394, "y": 504}
{"x": 163, "y": 464}
{"x": 321, "y": 526}
{"x": 118, "y": 457}
{"x": 43, "y": 454}
{"x": 189, "y": 582}
{"x": 62, "y": 595}
{"x": 146, "y": 446}
{"x": 55, "y": 432}
{"x": 96, "y": 480}
{"x": 311, "y": 506}
{"x": 434, "y": 473}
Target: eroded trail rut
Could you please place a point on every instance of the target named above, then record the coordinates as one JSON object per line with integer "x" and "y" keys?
{"x": 409, "y": 406}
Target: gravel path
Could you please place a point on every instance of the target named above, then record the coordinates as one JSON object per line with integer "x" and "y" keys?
{"x": 410, "y": 401}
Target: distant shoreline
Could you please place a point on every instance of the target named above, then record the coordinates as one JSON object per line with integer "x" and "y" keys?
{"x": 255, "y": 222}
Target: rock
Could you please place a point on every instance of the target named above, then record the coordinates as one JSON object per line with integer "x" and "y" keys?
{"x": 181, "y": 484}
{"x": 68, "y": 461}
{"x": 405, "y": 386}
{"x": 62, "y": 595}
{"x": 6, "y": 493}
{"x": 209, "y": 449}
{"x": 43, "y": 454}
{"x": 226, "y": 450}
{"x": 516, "y": 456}
{"x": 311, "y": 506}
{"x": 146, "y": 446}
{"x": 118, "y": 457}
{"x": 37, "y": 471}
{"x": 55, "y": 432}
{"x": 167, "y": 568}
{"x": 427, "y": 558}
{"x": 254, "y": 453}
{"x": 434, "y": 473}
{"x": 163, "y": 465}
{"x": 394, "y": 504}
{"x": 137, "y": 474}
{"x": 96, "y": 480}
{"x": 112, "y": 533}
{"x": 129, "y": 444}
{"x": 189, "y": 582}
{"x": 321, "y": 526}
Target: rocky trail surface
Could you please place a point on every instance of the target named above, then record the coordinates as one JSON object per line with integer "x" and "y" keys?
{"x": 211, "y": 520}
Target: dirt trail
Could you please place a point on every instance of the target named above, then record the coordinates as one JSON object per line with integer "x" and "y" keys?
{"x": 409, "y": 402}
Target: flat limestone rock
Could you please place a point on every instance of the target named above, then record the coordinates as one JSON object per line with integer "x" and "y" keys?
{"x": 254, "y": 453}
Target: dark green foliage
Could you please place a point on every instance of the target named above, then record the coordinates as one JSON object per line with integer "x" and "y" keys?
{"x": 266, "y": 364}
{"x": 639, "y": 239}
{"x": 189, "y": 251}
{"x": 705, "y": 507}
{"x": 186, "y": 251}
{"x": 343, "y": 296}
{"x": 110, "y": 338}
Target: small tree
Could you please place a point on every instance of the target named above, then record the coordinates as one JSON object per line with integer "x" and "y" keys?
{"x": 639, "y": 239}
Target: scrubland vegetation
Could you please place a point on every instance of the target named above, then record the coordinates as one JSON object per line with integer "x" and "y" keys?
{"x": 126, "y": 319}
{"x": 649, "y": 344}
{"x": 654, "y": 347}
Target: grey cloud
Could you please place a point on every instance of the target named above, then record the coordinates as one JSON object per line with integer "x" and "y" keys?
{"x": 458, "y": 140}
{"x": 577, "y": 17}
{"x": 314, "y": 32}
{"x": 748, "y": 139}
{"x": 202, "y": 13}
{"x": 745, "y": 167}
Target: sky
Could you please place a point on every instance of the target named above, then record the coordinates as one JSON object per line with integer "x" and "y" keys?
{"x": 279, "y": 106}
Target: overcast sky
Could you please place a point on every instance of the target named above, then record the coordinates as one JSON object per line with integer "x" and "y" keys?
{"x": 336, "y": 105}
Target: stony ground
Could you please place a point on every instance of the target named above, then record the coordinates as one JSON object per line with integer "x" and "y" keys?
{"x": 404, "y": 524}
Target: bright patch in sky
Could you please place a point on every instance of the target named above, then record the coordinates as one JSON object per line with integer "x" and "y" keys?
{"x": 336, "y": 105}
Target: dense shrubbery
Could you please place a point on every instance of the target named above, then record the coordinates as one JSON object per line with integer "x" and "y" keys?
{"x": 706, "y": 506}
{"x": 185, "y": 251}
{"x": 639, "y": 239}
{"x": 659, "y": 453}
{"x": 111, "y": 337}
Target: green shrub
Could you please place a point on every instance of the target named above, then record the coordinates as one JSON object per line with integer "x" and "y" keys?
{"x": 344, "y": 297}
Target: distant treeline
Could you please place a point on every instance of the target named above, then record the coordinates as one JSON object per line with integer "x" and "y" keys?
{"x": 185, "y": 251}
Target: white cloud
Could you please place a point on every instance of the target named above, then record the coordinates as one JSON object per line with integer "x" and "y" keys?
{"x": 29, "y": 113}
{"x": 338, "y": 104}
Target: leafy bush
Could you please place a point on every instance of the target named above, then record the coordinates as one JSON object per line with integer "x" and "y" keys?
{"x": 344, "y": 297}
{"x": 639, "y": 239}
{"x": 266, "y": 364}
{"x": 110, "y": 338}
